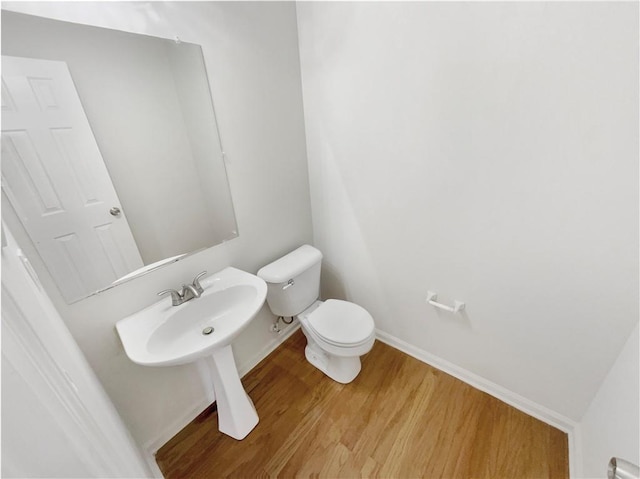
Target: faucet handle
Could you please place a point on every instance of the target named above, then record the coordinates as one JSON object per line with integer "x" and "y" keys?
{"x": 176, "y": 297}
{"x": 196, "y": 282}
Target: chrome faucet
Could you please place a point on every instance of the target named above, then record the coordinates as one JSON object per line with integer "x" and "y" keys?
{"x": 187, "y": 292}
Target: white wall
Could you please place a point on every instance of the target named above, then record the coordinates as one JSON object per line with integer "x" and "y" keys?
{"x": 489, "y": 152}
{"x": 251, "y": 56}
{"x": 610, "y": 426}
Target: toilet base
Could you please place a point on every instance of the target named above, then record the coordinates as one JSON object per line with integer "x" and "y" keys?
{"x": 339, "y": 368}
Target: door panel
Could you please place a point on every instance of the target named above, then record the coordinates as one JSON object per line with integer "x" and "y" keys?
{"x": 55, "y": 178}
{"x": 57, "y": 421}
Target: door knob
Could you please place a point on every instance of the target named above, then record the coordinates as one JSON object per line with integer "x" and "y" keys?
{"x": 115, "y": 211}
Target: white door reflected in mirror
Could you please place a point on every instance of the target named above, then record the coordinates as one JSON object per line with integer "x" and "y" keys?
{"x": 55, "y": 177}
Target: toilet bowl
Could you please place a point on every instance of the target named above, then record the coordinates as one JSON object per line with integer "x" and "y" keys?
{"x": 338, "y": 332}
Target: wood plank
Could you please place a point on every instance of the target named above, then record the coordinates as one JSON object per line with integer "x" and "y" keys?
{"x": 399, "y": 418}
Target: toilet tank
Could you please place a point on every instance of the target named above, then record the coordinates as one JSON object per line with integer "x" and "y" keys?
{"x": 293, "y": 281}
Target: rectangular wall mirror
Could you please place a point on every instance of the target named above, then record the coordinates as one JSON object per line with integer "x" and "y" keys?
{"x": 111, "y": 160}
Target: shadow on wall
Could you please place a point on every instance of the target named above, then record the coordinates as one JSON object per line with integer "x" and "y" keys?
{"x": 331, "y": 284}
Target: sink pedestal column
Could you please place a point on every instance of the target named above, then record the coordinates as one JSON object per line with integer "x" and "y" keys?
{"x": 237, "y": 415}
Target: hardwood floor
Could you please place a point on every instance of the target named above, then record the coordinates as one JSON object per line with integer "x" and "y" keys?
{"x": 400, "y": 418}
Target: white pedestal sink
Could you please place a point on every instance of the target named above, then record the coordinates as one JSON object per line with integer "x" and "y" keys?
{"x": 166, "y": 335}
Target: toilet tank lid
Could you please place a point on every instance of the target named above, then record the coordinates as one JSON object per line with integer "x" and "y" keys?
{"x": 290, "y": 265}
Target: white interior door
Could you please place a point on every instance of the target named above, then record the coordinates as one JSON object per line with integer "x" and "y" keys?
{"x": 57, "y": 421}
{"x": 54, "y": 175}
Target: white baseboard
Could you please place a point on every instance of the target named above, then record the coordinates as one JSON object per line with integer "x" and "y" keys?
{"x": 252, "y": 362}
{"x": 151, "y": 447}
{"x": 521, "y": 403}
{"x": 153, "y": 465}
{"x": 174, "y": 427}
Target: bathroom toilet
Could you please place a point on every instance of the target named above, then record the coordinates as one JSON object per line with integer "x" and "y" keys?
{"x": 338, "y": 332}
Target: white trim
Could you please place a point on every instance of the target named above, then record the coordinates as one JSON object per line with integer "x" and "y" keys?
{"x": 575, "y": 453}
{"x": 153, "y": 465}
{"x": 513, "y": 399}
{"x": 151, "y": 447}
{"x": 519, "y": 402}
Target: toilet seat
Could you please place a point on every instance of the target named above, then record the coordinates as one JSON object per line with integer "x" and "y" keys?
{"x": 341, "y": 323}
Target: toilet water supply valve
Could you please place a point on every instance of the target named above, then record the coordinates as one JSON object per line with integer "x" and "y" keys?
{"x": 275, "y": 327}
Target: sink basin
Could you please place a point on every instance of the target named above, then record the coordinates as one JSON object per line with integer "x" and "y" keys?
{"x": 166, "y": 335}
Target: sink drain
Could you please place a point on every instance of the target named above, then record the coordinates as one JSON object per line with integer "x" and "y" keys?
{"x": 207, "y": 330}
